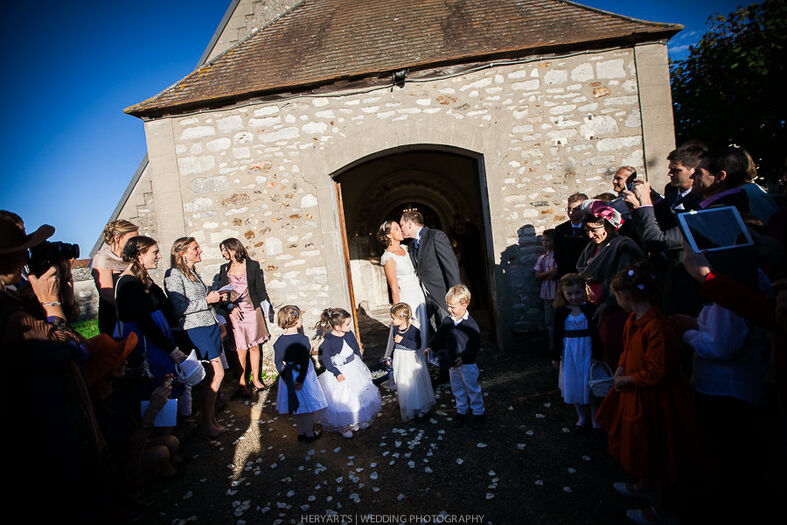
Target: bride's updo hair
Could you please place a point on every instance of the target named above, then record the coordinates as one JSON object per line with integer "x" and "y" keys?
{"x": 383, "y": 232}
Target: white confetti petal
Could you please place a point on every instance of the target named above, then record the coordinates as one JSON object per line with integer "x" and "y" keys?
{"x": 427, "y": 470}
{"x": 540, "y": 416}
{"x": 373, "y": 475}
{"x": 400, "y": 497}
{"x": 566, "y": 430}
{"x": 539, "y": 482}
{"x": 567, "y": 490}
{"x": 571, "y": 470}
{"x": 547, "y": 405}
{"x": 529, "y": 432}
{"x": 459, "y": 461}
{"x": 521, "y": 446}
{"x": 491, "y": 473}
{"x": 586, "y": 458}
{"x": 480, "y": 445}
{"x": 489, "y": 495}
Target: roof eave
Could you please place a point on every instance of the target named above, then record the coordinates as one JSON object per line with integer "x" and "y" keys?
{"x": 147, "y": 110}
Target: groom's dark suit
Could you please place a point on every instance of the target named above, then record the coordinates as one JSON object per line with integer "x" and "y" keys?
{"x": 437, "y": 268}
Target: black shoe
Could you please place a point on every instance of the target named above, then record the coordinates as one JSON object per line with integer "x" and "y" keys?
{"x": 459, "y": 420}
{"x": 301, "y": 437}
{"x": 420, "y": 418}
{"x": 478, "y": 420}
{"x": 315, "y": 437}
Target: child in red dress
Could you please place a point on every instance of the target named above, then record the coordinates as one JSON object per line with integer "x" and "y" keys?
{"x": 649, "y": 414}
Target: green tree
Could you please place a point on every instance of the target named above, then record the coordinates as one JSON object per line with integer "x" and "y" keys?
{"x": 732, "y": 87}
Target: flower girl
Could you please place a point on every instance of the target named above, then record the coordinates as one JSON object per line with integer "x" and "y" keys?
{"x": 411, "y": 376}
{"x": 353, "y": 399}
{"x": 299, "y": 391}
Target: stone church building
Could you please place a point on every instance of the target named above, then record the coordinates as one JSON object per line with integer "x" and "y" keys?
{"x": 309, "y": 123}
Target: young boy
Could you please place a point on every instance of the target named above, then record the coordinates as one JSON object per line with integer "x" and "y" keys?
{"x": 456, "y": 343}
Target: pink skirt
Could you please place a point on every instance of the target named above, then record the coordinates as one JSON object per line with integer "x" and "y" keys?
{"x": 251, "y": 330}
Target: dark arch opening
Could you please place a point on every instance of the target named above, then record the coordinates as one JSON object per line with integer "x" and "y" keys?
{"x": 447, "y": 185}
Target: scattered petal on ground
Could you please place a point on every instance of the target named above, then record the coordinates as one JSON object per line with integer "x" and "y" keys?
{"x": 567, "y": 490}
{"x": 459, "y": 461}
{"x": 489, "y": 495}
{"x": 480, "y": 445}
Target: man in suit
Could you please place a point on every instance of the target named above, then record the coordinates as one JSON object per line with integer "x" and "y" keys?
{"x": 657, "y": 227}
{"x": 434, "y": 261}
{"x": 682, "y": 162}
{"x": 437, "y": 268}
{"x": 570, "y": 238}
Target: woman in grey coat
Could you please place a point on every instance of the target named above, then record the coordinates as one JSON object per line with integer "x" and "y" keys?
{"x": 193, "y": 306}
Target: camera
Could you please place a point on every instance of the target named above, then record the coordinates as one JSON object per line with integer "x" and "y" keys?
{"x": 40, "y": 258}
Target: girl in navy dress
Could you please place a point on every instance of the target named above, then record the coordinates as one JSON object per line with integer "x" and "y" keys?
{"x": 576, "y": 339}
{"x": 413, "y": 385}
{"x": 299, "y": 393}
{"x": 353, "y": 399}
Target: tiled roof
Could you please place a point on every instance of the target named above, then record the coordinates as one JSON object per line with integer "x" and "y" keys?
{"x": 321, "y": 41}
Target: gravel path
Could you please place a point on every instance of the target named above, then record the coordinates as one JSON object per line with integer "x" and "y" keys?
{"x": 524, "y": 465}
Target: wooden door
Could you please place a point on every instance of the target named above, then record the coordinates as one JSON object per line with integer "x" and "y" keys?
{"x": 347, "y": 268}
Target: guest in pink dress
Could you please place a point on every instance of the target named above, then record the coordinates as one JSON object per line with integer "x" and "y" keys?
{"x": 248, "y": 306}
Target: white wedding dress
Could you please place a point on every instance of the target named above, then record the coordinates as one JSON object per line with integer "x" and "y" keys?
{"x": 410, "y": 290}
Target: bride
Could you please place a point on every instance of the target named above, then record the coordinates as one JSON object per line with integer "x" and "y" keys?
{"x": 402, "y": 279}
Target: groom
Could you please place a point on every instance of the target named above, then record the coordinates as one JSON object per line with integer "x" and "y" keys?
{"x": 434, "y": 262}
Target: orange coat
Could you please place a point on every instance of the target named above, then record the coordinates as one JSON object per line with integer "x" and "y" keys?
{"x": 651, "y": 425}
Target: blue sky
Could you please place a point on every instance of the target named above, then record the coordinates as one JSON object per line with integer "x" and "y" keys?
{"x": 71, "y": 68}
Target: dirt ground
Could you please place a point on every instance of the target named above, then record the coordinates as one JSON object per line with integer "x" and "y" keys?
{"x": 525, "y": 465}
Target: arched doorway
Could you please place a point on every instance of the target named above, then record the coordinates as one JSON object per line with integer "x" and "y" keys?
{"x": 447, "y": 185}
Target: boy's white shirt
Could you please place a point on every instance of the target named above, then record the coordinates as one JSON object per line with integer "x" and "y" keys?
{"x": 464, "y": 317}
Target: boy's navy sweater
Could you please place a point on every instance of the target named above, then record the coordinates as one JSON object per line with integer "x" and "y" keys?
{"x": 292, "y": 348}
{"x": 462, "y": 340}
{"x": 332, "y": 345}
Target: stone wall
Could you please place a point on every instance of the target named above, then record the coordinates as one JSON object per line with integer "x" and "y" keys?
{"x": 261, "y": 172}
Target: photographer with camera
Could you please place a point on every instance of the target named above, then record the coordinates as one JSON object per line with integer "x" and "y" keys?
{"x": 48, "y": 399}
